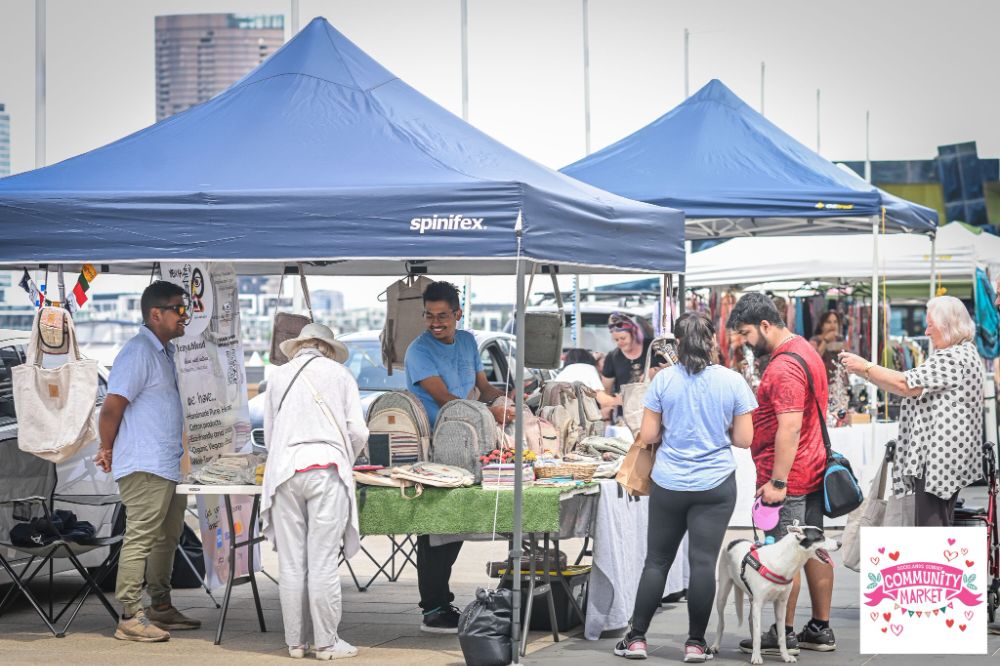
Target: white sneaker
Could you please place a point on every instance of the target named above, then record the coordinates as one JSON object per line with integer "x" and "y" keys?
{"x": 341, "y": 650}
{"x": 297, "y": 651}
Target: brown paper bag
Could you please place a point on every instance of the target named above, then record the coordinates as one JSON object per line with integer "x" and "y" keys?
{"x": 637, "y": 468}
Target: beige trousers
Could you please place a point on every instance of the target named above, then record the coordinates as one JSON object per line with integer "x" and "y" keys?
{"x": 154, "y": 520}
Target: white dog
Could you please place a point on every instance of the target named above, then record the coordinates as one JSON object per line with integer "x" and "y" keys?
{"x": 765, "y": 574}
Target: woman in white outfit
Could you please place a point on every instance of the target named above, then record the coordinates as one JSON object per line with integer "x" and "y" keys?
{"x": 313, "y": 429}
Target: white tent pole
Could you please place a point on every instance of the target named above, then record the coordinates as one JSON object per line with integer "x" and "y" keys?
{"x": 817, "y": 120}
{"x": 933, "y": 289}
{"x": 577, "y": 338}
{"x": 577, "y": 315}
{"x": 515, "y": 552}
{"x": 687, "y": 69}
{"x": 467, "y": 305}
{"x": 872, "y": 389}
{"x": 295, "y": 17}
{"x": 762, "y": 67}
{"x": 39, "y": 83}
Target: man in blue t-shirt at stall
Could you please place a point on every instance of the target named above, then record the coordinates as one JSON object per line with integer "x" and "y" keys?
{"x": 442, "y": 365}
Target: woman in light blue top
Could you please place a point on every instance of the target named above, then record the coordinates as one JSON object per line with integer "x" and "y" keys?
{"x": 695, "y": 413}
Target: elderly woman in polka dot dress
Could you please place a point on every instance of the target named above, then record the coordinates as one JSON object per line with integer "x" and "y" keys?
{"x": 939, "y": 449}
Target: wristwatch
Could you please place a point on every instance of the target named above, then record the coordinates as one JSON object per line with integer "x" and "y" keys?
{"x": 779, "y": 484}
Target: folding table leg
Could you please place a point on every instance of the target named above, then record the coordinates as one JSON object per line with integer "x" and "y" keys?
{"x": 194, "y": 569}
{"x": 525, "y": 625}
{"x": 569, "y": 588}
{"x": 546, "y": 562}
{"x": 250, "y": 546}
{"x": 29, "y": 596}
{"x": 93, "y": 586}
{"x": 232, "y": 571}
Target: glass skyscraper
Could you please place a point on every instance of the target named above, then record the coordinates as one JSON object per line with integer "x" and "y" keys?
{"x": 200, "y": 55}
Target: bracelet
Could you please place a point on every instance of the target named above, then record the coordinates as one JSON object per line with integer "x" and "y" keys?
{"x": 868, "y": 369}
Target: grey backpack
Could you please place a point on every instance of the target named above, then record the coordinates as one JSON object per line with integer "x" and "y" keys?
{"x": 464, "y": 430}
{"x": 401, "y": 416}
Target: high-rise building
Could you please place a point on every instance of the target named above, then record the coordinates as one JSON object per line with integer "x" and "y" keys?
{"x": 200, "y": 55}
{"x": 4, "y": 142}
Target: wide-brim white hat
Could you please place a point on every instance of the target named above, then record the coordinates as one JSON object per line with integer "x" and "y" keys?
{"x": 319, "y": 332}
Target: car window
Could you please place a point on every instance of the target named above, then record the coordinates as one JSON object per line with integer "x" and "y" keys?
{"x": 489, "y": 366}
{"x": 365, "y": 363}
{"x": 10, "y": 356}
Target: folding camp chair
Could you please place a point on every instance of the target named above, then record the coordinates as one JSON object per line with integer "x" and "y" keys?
{"x": 27, "y": 490}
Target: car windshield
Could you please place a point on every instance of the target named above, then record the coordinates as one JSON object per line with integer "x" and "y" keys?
{"x": 365, "y": 363}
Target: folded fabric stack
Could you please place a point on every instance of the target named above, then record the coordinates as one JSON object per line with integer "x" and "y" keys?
{"x": 404, "y": 448}
{"x": 60, "y": 525}
{"x": 227, "y": 470}
{"x": 500, "y": 476}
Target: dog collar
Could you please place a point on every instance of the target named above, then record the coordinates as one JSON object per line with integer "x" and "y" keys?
{"x": 752, "y": 560}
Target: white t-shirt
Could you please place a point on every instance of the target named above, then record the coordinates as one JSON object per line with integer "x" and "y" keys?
{"x": 581, "y": 372}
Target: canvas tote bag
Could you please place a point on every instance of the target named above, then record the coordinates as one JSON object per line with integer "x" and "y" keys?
{"x": 56, "y": 405}
{"x": 288, "y": 325}
{"x": 543, "y": 332}
{"x": 635, "y": 474}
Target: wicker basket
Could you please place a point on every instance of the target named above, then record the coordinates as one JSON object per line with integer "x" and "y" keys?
{"x": 576, "y": 471}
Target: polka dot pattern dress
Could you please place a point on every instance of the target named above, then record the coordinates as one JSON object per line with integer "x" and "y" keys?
{"x": 941, "y": 431}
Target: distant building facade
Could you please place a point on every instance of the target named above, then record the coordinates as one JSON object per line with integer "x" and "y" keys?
{"x": 200, "y": 55}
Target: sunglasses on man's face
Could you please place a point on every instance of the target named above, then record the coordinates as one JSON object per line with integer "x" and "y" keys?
{"x": 440, "y": 317}
{"x": 181, "y": 310}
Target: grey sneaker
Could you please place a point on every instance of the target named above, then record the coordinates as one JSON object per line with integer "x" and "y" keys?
{"x": 171, "y": 619}
{"x": 769, "y": 643}
{"x": 821, "y": 641}
{"x": 138, "y": 628}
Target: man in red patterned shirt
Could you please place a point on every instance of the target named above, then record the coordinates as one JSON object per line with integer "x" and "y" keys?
{"x": 790, "y": 456}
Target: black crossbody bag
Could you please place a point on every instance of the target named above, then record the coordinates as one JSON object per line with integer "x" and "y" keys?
{"x": 841, "y": 490}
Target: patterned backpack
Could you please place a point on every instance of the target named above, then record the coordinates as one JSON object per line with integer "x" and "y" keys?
{"x": 401, "y": 416}
{"x": 573, "y": 409}
{"x": 464, "y": 430}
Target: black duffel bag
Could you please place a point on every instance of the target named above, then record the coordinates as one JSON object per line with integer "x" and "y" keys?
{"x": 484, "y": 628}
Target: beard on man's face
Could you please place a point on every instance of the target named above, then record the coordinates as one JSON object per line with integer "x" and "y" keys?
{"x": 761, "y": 348}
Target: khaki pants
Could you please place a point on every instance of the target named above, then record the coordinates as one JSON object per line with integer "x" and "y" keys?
{"x": 154, "y": 520}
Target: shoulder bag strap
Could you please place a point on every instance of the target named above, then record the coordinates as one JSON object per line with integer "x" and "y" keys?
{"x": 289, "y": 388}
{"x": 812, "y": 389}
{"x": 323, "y": 407}
{"x": 305, "y": 290}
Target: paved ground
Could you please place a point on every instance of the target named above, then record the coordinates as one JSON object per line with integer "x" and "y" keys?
{"x": 384, "y": 622}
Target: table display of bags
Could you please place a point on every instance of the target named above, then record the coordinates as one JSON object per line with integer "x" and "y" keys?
{"x": 288, "y": 325}
{"x": 61, "y": 401}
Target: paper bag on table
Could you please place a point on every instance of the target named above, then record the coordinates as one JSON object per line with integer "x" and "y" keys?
{"x": 637, "y": 468}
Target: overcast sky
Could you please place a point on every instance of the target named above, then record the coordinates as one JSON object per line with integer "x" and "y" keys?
{"x": 925, "y": 70}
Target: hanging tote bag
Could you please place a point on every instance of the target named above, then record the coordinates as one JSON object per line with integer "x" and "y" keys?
{"x": 871, "y": 513}
{"x": 288, "y": 325}
{"x": 56, "y": 405}
{"x": 543, "y": 332}
{"x": 633, "y": 394}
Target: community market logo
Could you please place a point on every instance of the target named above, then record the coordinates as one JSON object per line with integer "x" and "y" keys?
{"x": 455, "y": 222}
{"x": 922, "y": 591}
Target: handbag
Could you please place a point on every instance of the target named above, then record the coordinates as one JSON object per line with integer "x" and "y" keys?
{"x": 543, "y": 332}
{"x": 288, "y": 325}
{"x": 634, "y": 394}
{"x": 841, "y": 490}
{"x": 60, "y": 401}
{"x": 635, "y": 474}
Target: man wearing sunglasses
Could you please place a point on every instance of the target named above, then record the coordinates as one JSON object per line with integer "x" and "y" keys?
{"x": 140, "y": 426}
{"x": 443, "y": 364}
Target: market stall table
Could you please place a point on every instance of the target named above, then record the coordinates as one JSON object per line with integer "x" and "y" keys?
{"x": 252, "y": 538}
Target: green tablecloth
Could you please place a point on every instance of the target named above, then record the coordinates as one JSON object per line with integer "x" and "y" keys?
{"x": 457, "y": 510}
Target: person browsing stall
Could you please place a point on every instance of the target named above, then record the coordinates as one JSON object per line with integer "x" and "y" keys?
{"x": 625, "y": 364}
{"x": 790, "y": 455}
{"x": 141, "y": 425}
{"x": 443, "y": 364}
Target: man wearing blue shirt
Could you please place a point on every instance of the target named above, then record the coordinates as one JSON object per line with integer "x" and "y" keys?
{"x": 141, "y": 426}
{"x": 442, "y": 365}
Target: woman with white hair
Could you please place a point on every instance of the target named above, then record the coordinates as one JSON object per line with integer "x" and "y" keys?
{"x": 314, "y": 429}
{"x": 939, "y": 448}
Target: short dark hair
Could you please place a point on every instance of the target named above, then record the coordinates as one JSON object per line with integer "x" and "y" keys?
{"x": 695, "y": 341}
{"x": 577, "y": 355}
{"x": 752, "y": 309}
{"x": 157, "y": 294}
{"x": 443, "y": 291}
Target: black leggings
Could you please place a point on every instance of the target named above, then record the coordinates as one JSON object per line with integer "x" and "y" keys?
{"x": 704, "y": 515}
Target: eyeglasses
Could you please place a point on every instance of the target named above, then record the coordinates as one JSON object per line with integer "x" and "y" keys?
{"x": 181, "y": 310}
{"x": 440, "y": 317}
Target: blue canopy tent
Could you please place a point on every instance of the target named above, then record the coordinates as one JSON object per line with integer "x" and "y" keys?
{"x": 322, "y": 156}
{"x": 734, "y": 173}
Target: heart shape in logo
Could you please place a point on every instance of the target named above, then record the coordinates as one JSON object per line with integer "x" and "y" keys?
{"x": 874, "y": 616}
{"x": 969, "y": 563}
{"x": 950, "y": 555}
{"x": 965, "y": 551}
{"x": 962, "y": 627}
{"x": 881, "y": 551}
{"x": 874, "y": 560}
{"x": 885, "y": 630}
{"x": 951, "y": 542}
{"x": 887, "y": 616}
{"x": 894, "y": 556}
{"x": 968, "y": 615}
{"x": 896, "y": 628}
{"x": 950, "y": 623}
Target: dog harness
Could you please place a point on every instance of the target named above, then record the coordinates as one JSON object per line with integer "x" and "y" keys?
{"x": 753, "y": 561}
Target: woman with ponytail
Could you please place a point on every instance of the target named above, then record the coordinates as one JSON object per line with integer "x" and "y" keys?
{"x": 696, "y": 411}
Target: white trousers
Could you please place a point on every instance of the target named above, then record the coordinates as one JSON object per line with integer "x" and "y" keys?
{"x": 310, "y": 513}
